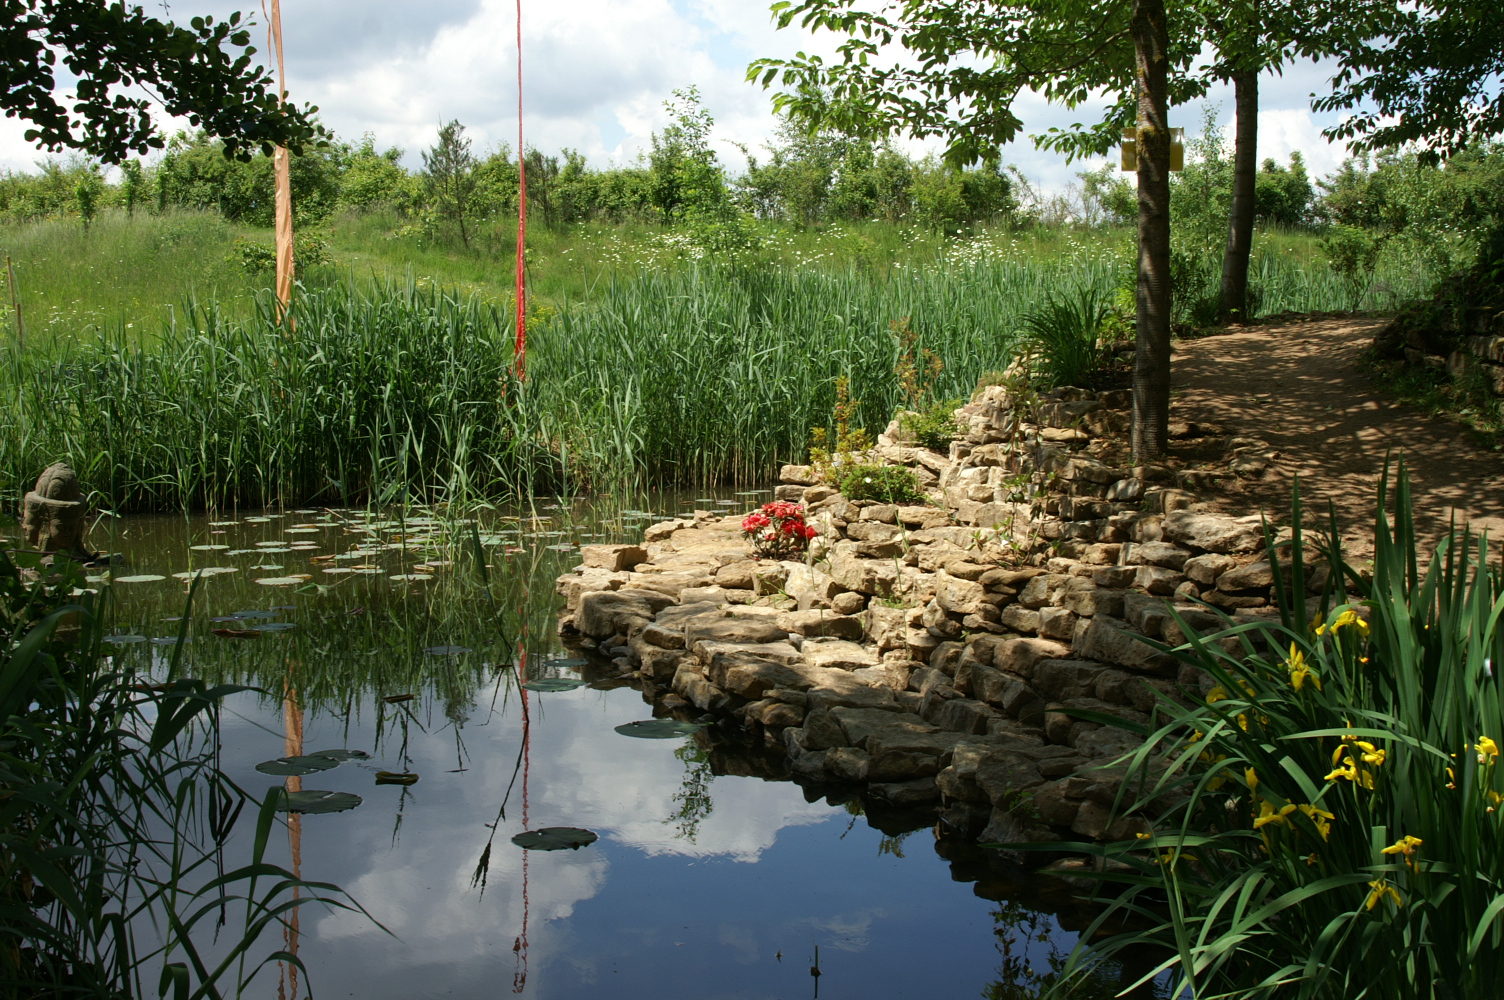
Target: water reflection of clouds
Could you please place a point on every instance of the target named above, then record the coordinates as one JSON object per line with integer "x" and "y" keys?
{"x": 581, "y": 773}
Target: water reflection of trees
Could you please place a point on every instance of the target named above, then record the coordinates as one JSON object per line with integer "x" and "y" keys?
{"x": 1025, "y": 937}
{"x": 693, "y": 797}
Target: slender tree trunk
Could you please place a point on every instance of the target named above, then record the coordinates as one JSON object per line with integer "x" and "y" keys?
{"x": 1244, "y": 178}
{"x": 1151, "y": 366}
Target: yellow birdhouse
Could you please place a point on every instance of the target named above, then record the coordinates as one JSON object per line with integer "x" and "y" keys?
{"x": 1130, "y": 149}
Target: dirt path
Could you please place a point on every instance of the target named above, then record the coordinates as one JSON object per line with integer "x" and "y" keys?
{"x": 1298, "y": 386}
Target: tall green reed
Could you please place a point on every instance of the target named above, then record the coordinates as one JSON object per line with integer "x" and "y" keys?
{"x": 115, "y": 818}
{"x": 1335, "y": 828}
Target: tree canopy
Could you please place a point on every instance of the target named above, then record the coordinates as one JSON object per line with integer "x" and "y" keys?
{"x": 124, "y": 61}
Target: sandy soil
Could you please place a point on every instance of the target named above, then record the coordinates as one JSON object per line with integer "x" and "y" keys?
{"x": 1298, "y": 386}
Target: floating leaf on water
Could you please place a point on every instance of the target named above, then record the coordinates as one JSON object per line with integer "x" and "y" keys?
{"x": 365, "y": 571}
{"x": 393, "y": 699}
{"x": 274, "y": 627}
{"x": 410, "y": 577}
{"x": 726, "y": 503}
{"x": 447, "y": 650}
{"x": 243, "y": 552}
{"x": 303, "y": 529}
{"x": 338, "y": 570}
{"x": 236, "y": 633}
{"x": 659, "y": 729}
{"x": 312, "y": 802}
{"x": 564, "y": 663}
{"x": 124, "y": 640}
{"x": 262, "y": 545}
{"x": 274, "y": 550}
{"x": 168, "y": 640}
{"x": 281, "y": 581}
{"x": 553, "y": 684}
{"x": 268, "y": 566}
{"x": 566, "y": 547}
{"x": 341, "y": 754}
{"x": 223, "y": 524}
{"x": 555, "y": 838}
{"x": 206, "y": 571}
{"x": 296, "y": 766}
{"x": 257, "y": 520}
{"x": 208, "y": 548}
{"x": 140, "y": 578}
{"x": 396, "y": 778}
{"x": 252, "y": 614}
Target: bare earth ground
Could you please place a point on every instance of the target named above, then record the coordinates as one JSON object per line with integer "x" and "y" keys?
{"x": 1299, "y": 387}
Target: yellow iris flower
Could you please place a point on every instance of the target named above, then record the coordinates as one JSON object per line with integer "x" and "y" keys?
{"x": 1268, "y": 814}
{"x": 1406, "y": 846}
{"x": 1488, "y": 750}
{"x": 1321, "y": 818}
{"x": 1378, "y": 889}
{"x": 1299, "y": 670}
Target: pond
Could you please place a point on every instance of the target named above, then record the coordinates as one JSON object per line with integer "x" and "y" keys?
{"x": 713, "y": 873}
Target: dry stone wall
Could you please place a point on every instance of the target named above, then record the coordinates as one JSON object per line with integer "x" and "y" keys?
{"x": 944, "y": 654}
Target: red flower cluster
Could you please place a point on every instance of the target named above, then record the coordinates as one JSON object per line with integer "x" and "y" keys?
{"x": 778, "y": 529}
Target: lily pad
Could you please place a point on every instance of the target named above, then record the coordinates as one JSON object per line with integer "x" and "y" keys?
{"x": 296, "y": 766}
{"x": 274, "y": 626}
{"x": 396, "y": 778}
{"x": 410, "y": 577}
{"x": 249, "y": 615}
{"x": 320, "y": 802}
{"x": 555, "y": 838}
{"x": 304, "y": 529}
{"x": 659, "y": 729}
{"x": 281, "y": 581}
{"x": 124, "y": 640}
{"x": 141, "y": 578}
{"x": 447, "y": 650}
{"x": 168, "y": 640}
{"x": 341, "y": 754}
{"x": 236, "y": 633}
{"x": 257, "y": 520}
{"x": 208, "y": 548}
{"x": 562, "y": 664}
{"x": 206, "y": 571}
{"x": 553, "y": 684}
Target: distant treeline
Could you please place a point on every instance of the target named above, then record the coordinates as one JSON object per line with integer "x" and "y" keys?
{"x": 798, "y": 178}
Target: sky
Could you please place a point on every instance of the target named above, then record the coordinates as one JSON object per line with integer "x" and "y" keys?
{"x": 596, "y": 74}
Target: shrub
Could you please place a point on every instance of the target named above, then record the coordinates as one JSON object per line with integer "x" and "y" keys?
{"x": 1062, "y": 335}
{"x": 888, "y": 483}
{"x": 777, "y": 530}
{"x": 934, "y": 427}
{"x": 1337, "y": 830}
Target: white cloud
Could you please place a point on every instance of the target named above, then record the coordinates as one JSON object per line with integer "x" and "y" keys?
{"x": 597, "y": 72}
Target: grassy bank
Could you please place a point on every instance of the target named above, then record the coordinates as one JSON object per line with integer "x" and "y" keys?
{"x": 138, "y": 271}
{"x": 687, "y": 375}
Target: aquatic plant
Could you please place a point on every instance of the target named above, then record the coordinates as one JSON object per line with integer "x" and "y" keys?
{"x": 116, "y": 818}
{"x": 1335, "y": 828}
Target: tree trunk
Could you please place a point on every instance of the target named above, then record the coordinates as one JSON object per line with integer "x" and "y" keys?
{"x": 1244, "y": 179}
{"x": 1151, "y": 366}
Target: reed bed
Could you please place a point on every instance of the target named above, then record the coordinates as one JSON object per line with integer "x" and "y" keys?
{"x": 390, "y": 391}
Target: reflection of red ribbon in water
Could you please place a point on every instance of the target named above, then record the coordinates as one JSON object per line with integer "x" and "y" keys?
{"x": 292, "y": 717}
{"x": 519, "y": 978}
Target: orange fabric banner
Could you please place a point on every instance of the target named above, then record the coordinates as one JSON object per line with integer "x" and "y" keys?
{"x": 285, "y": 263}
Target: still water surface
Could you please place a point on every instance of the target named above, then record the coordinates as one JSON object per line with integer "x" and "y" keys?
{"x": 714, "y": 876}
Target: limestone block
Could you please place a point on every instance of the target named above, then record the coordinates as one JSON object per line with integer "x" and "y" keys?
{"x": 1057, "y": 623}
{"x": 1205, "y": 569}
{"x": 798, "y": 475}
{"x": 1158, "y": 579}
{"x": 886, "y": 626}
{"x": 749, "y": 675}
{"x": 1019, "y": 655}
{"x": 603, "y": 613}
{"x": 1110, "y": 641}
{"x": 914, "y": 792}
{"x": 819, "y": 623}
{"x": 1214, "y": 532}
{"x": 731, "y": 629}
{"x": 867, "y": 576}
{"x": 838, "y": 654}
{"x": 613, "y": 558}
